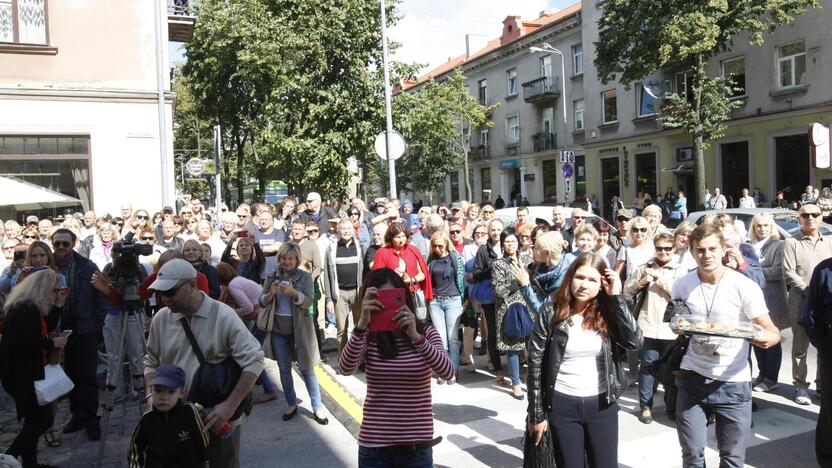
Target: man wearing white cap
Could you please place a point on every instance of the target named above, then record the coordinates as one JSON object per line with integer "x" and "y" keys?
{"x": 219, "y": 333}
{"x": 316, "y": 212}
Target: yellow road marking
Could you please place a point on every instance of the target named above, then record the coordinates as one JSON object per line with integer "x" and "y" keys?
{"x": 338, "y": 393}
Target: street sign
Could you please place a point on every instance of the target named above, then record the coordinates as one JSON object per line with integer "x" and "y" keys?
{"x": 397, "y": 146}
{"x": 567, "y": 157}
{"x": 567, "y": 170}
{"x": 568, "y": 186}
{"x": 819, "y": 145}
{"x": 195, "y": 167}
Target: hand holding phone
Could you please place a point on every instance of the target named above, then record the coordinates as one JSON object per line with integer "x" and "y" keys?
{"x": 392, "y": 299}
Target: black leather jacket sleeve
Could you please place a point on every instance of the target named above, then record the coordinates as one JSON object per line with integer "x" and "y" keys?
{"x": 536, "y": 361}
{"x": 482, "y": 264}
{"x": 624, "y": 330}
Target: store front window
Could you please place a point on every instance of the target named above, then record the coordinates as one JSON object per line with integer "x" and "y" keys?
{"x": 550, "y": 181}
{"x": 646, "y": 174}
{"x": 792, "y": 164}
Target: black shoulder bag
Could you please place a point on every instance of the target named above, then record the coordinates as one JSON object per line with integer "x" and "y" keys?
{"x": 212, "y": 383}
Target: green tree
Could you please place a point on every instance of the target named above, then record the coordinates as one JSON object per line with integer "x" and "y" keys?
{"x": 192, "y": 138}
{"x": 641, "y": 37}
{"x": 436, "y": 121}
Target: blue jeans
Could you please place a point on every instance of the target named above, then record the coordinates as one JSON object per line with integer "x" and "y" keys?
{"x": 445, "y": 315}
{"x": 386, "y": 457}
{"x": 730, "y": 402}
{"x": 282, "y": 347}
{"x": 768, "y": 362}
{"x": 513, "y": 359}
{"x": 647, "y": 382}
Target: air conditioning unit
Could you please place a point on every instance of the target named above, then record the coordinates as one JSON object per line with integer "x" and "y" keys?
{"x": 684, "y": 154}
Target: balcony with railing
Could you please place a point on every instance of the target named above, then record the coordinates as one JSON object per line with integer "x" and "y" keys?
{"x": 541, "y": 90}
{"x": 181, "y": 20}
{"x": 544, "y": 141}
{"x": 479, "y": 153}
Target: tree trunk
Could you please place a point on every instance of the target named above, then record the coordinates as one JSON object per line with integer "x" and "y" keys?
{"x": 699, "y": 174}
{"x": 698, "y": 150}
{"x": 469, "y": 195}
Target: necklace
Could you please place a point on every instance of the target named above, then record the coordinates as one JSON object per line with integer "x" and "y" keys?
{"x": 709, "y": 308}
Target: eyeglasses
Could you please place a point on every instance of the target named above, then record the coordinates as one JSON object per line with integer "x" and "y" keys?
{"x": 635, "y": 229}
{"x": 480, "y": 234}
{"x": 456, "y": 231}
{"x": 487, "y": 211}
{"x": 806, "y": 215}
{"x": 148, "y": 238}
{"x": 242, "y": 216}
{"x": 526, "y": 237}
{"x": 30, "y": 237}
{"x": 664, "y": 249}
{"x": 355, "y": 214}
{"x": 577, "y": 217}
{"x": 141, "y": 217}
{"x": 59, "y": 244}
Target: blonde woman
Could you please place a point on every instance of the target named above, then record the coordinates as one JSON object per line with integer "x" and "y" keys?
{"x": 639, "y": 249}
{"x": 681, "y": 254}
{"x": 472, "y": 217}
{"x": 550, "y": 266}
{"x": 585, "y": 240}
{"x": 653, "y": 215}
{"x": 447, "y": 273}
{"x": 524, "y": 234}
{"x": 765, "y": 239}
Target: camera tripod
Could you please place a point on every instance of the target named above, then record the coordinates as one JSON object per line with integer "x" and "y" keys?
{"x": 133, "y": 305}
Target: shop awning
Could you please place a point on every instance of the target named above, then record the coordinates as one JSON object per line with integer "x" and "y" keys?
{"x": 686, "y": 166}
{"x": 27, "y": 196}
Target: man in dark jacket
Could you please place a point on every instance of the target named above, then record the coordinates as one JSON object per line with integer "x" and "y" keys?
{"x": 315, "y": 211}
{"x": 83, "y": 313}
{"x": 817, "y": 319}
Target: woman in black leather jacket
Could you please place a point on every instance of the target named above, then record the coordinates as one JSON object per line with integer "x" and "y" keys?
{"x": 575, "y": 376}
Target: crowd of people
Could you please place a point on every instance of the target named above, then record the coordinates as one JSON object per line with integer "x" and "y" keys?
{"x": 581, "y": 305}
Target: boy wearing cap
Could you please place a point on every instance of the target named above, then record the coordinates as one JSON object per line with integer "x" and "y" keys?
{"x": 171, "y": 433}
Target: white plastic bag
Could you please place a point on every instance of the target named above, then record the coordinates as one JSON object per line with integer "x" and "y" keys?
{"x": 54, "y": 385}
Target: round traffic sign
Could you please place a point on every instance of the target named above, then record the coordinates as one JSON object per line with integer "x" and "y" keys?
{"x": 195, "y": 167}
{"x": 567, "y": 170}
{"x": 397, "y": 146}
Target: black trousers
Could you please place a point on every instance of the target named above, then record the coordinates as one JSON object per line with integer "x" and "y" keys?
{"x": 36, "y": 421}
{"x": 823, "y": 434}
{"x": 584, "y": 428}
{"x": 490, "y": 311}
{"x": 80, "y": 362}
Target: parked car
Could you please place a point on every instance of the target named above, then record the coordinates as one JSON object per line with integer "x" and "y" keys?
{"x": 787, "y": 221}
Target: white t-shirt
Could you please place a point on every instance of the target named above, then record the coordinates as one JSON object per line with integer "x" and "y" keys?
{"x": 735, "y": 298}
{"x": 581, "y": 372}
{"x": 636, "y": 256}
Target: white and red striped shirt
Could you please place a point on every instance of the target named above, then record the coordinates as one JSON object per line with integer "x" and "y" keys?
{"x": 398, "y": 409}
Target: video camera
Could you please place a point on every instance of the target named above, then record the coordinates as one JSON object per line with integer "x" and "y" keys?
{"x": 124, "y": 274}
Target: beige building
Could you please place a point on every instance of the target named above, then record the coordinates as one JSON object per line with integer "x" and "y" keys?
{"x": 85, "y": 101}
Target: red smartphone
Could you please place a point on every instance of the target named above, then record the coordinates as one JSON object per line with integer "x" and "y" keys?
{"x": 392, "y": 299}
{"x": 242, "y": 233}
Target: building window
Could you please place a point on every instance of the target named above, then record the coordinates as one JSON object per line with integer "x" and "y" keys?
{"x": 513, "y": 129}
{"x": 791, "y": 64}
{"x": 483, "y": 91}
{"x": 485, "y": 183}
{"x": 646, "y": 102}
{"x": 23, "y": 21}
{"x": 550, "y": 181}
{"x": 455, "y": 186}
{"x": 578, "y": 58}
{"x": 546, "y": 65}
{"x": 484, "y": 137}
{"x": 684, "y": 85}
{"x": 735, "y": 70}
{"x": 579, "y": 114}
{"x": 511, "y": 76}
{"x": 609, "y": 106}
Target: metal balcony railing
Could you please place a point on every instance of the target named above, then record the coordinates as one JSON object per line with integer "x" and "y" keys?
{"x": 543, "y": 89}
{"x": 479, "y": 153}
{"x": 544, "y": 141}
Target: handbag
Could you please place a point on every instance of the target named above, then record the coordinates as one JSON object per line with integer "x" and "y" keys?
{"x": 517, "y": 323}
{"x": 675, "y": 214}
{"x": 54, "y": 384}
{"x": 483, "y": 292}
{"x": 638, "y": 301}
{"x": 541, "y": 455}
{"x": 421, "y": 305}
{"x": 213, "y": 383}
{"x": 265, "y": 318}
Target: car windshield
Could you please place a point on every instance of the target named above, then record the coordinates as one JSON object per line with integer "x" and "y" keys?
{"x": 791, "y": 224}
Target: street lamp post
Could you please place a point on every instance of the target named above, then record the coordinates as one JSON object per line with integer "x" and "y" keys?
{"x": 549, "y": 49}
{"x": 388, "y": 107}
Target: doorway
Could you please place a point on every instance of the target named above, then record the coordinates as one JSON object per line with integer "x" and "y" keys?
{"x": 791, "y": 155}
{"x": 610, "y": 183}
{"x": 735, "y": 171}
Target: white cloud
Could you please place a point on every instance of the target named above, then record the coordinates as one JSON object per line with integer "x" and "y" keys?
{"x": 432, "y": 31}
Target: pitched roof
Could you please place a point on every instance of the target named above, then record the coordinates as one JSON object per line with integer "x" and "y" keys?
{"x": 529, "y": 27}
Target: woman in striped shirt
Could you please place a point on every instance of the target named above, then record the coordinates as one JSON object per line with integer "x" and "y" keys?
{"x": 397, "y": 428}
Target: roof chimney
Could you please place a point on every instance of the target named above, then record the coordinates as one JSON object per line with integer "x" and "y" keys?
{"x": 512, "y": 29}
{"x": 545, "y": 13}
{"x": 473, "y": 43}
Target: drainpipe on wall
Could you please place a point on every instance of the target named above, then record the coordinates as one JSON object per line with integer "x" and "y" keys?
{"x": 160, "y": 90}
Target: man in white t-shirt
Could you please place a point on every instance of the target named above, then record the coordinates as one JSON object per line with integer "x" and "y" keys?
{"x": 715, "y": 373}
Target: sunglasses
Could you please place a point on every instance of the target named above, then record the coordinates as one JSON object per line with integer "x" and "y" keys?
{"x": 577, "y": 217}
{"x": 141, "y": 217}
{"x": 480, "y": 234}
{"x": 170, "y": 292}
{"x": 242, "y": 216}
{"x": 120, "y": 224}
{"x": 30, "y": 237}
{"x": 59, "y": 244}
{"x": 664, "y": 249}
{"x": 438, "y": 246}
{"x": 487, "y": 211}
{"x": 806, "y": 215}
{"x": 148, "y": 238}
{"x": 355, "y": 214}
{"x": 178, "y": 224}
{"x": 644, "y": 229}
{"x": 456, "y": 231}
{"x": 310, "y": 231}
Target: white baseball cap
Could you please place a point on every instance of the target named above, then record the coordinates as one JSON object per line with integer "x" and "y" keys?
{"x": 172, "y": 274}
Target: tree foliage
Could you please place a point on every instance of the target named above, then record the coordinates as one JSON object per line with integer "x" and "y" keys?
{"x": 436, "y": 122}
{"x": 640, "y": 37}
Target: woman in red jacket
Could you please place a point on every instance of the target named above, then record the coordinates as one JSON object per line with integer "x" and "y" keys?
{"x": 399, "y": 255}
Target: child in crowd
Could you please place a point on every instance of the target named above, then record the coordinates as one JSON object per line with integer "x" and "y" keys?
{"x": 171, "y": 434}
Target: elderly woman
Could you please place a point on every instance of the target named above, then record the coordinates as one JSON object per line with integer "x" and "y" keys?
{"x": 602, "y": 243}
{"x": 681, "y": 252}
{"x": 547, "y": 272}
{"x": 29, "y": 235}
{"x": 585, "y": 240}
{"x": 507, "y": 293}
{"x": 24, "y": 350}
{"x": 229, "y": 225}
{"x": 472, "y": 217}
{"x": 653, "y": 215}
{"x": 192, "y": 252}
{"x": 205, "y": 235}
{"x": 765, "y": 239}
{"x": 289, "y": 292}
{"x": 102, "y": 245}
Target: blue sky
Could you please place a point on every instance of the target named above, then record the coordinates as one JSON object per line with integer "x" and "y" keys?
{"x": 431, "y": 31}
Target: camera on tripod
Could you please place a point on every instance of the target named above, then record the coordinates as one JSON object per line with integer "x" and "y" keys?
{"x": 124, "y": 274}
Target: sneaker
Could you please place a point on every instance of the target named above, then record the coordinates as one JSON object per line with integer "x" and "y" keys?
{"x": 450, "y": 382}
{"x": 490, "y": 367}
{"x": 645, "y": 416}
{"x": 440, "y": 382}
{"x": 482, "y": 351}
{"x": 801, "y": 397}
{"x": 758, "y": 380}
{"x": 765, "y": 387}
